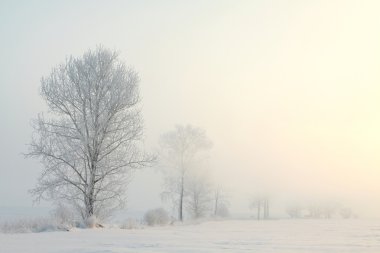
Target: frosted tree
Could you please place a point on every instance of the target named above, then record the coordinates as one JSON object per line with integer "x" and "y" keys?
{"x": 89, "y": 141}
{"x": 261, "y": 204}
{"x": 180, "y": 152}
{"x": 199, "y": 193}
{"x": 346, "y": 213}
{"x": 221, "y": 202}
{"x": 294, "y": 211}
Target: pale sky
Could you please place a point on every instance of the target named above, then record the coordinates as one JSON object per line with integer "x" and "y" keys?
{"x": 289, "y": 91}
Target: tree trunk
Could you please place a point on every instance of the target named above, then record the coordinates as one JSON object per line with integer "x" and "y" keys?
{"x": 180, "y": 214}
{"x": 216, "y": 203}
{"x": 258, "y": 209}
{"x": 90, "y": 195}
{"x": 266, "y": 208}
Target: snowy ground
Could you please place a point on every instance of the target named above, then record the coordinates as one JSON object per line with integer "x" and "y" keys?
{"x": 309, "y": 236}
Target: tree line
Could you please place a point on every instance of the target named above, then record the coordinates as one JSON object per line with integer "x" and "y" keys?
{"x": 89, "y": 142}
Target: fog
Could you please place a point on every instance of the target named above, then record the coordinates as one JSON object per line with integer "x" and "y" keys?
{"x": 288, "y": 91}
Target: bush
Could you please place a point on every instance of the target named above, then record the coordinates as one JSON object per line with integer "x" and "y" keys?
{"x": 223, "y": 211}
{"x": 91, "y": 222}
{"x": 156, "y": 217}
{"x": 64, "y": 217}
{"x": 29, "y": 226}
{"x": 131, "y": 224}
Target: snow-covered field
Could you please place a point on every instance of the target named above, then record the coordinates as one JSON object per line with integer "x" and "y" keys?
{"x": 294, "y": 236}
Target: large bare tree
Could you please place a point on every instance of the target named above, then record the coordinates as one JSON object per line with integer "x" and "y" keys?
{"x": 89, "y": 141}
{"x": 180, "y": 149}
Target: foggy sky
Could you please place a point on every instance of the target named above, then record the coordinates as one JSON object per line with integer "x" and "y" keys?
{"x": 289, "y": 91}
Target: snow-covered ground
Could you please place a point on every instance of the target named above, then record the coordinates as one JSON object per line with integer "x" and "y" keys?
{"x": 293, "y": 236}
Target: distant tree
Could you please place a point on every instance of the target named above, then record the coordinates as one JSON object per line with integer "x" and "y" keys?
{"x": 261, "y": 204}
{"x": 329, "y": 211}
{"x": 346, "y": 213}
{"x": 256, "y": 204}
{"x": 266, "y": 208}
{"x": 180, "y": 151}
{"x": 314, "y": 211}
{"x": 322, "y": 210}
{"x": 89, "y": 143}
{"x": 294, "y": 212}
{"x": 220, "y": 202}
{"x": 199, "y": 199}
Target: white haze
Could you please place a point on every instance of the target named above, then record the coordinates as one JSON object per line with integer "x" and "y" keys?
{"x": 287, "y": 90}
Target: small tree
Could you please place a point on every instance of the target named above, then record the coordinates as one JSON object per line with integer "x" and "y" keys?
{"x": 346, "y": 213}
{"x": 260, "y": 203}
{"x": 180, "y": 150}
{"x": 88, "y": 144}
{"x": 199, "y": 196}
{"x": 294, "y": 211}
{"x": 220, "y": 202}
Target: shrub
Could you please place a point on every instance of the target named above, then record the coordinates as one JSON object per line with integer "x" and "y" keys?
{"x": 91, "y": 222}
{"x": 29, "y": 226}
{"x": 156, "y": 216}
{"x": 131, "y": 224}
{"x": 64, "y": 217}
{"x": 223, "y": 211}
